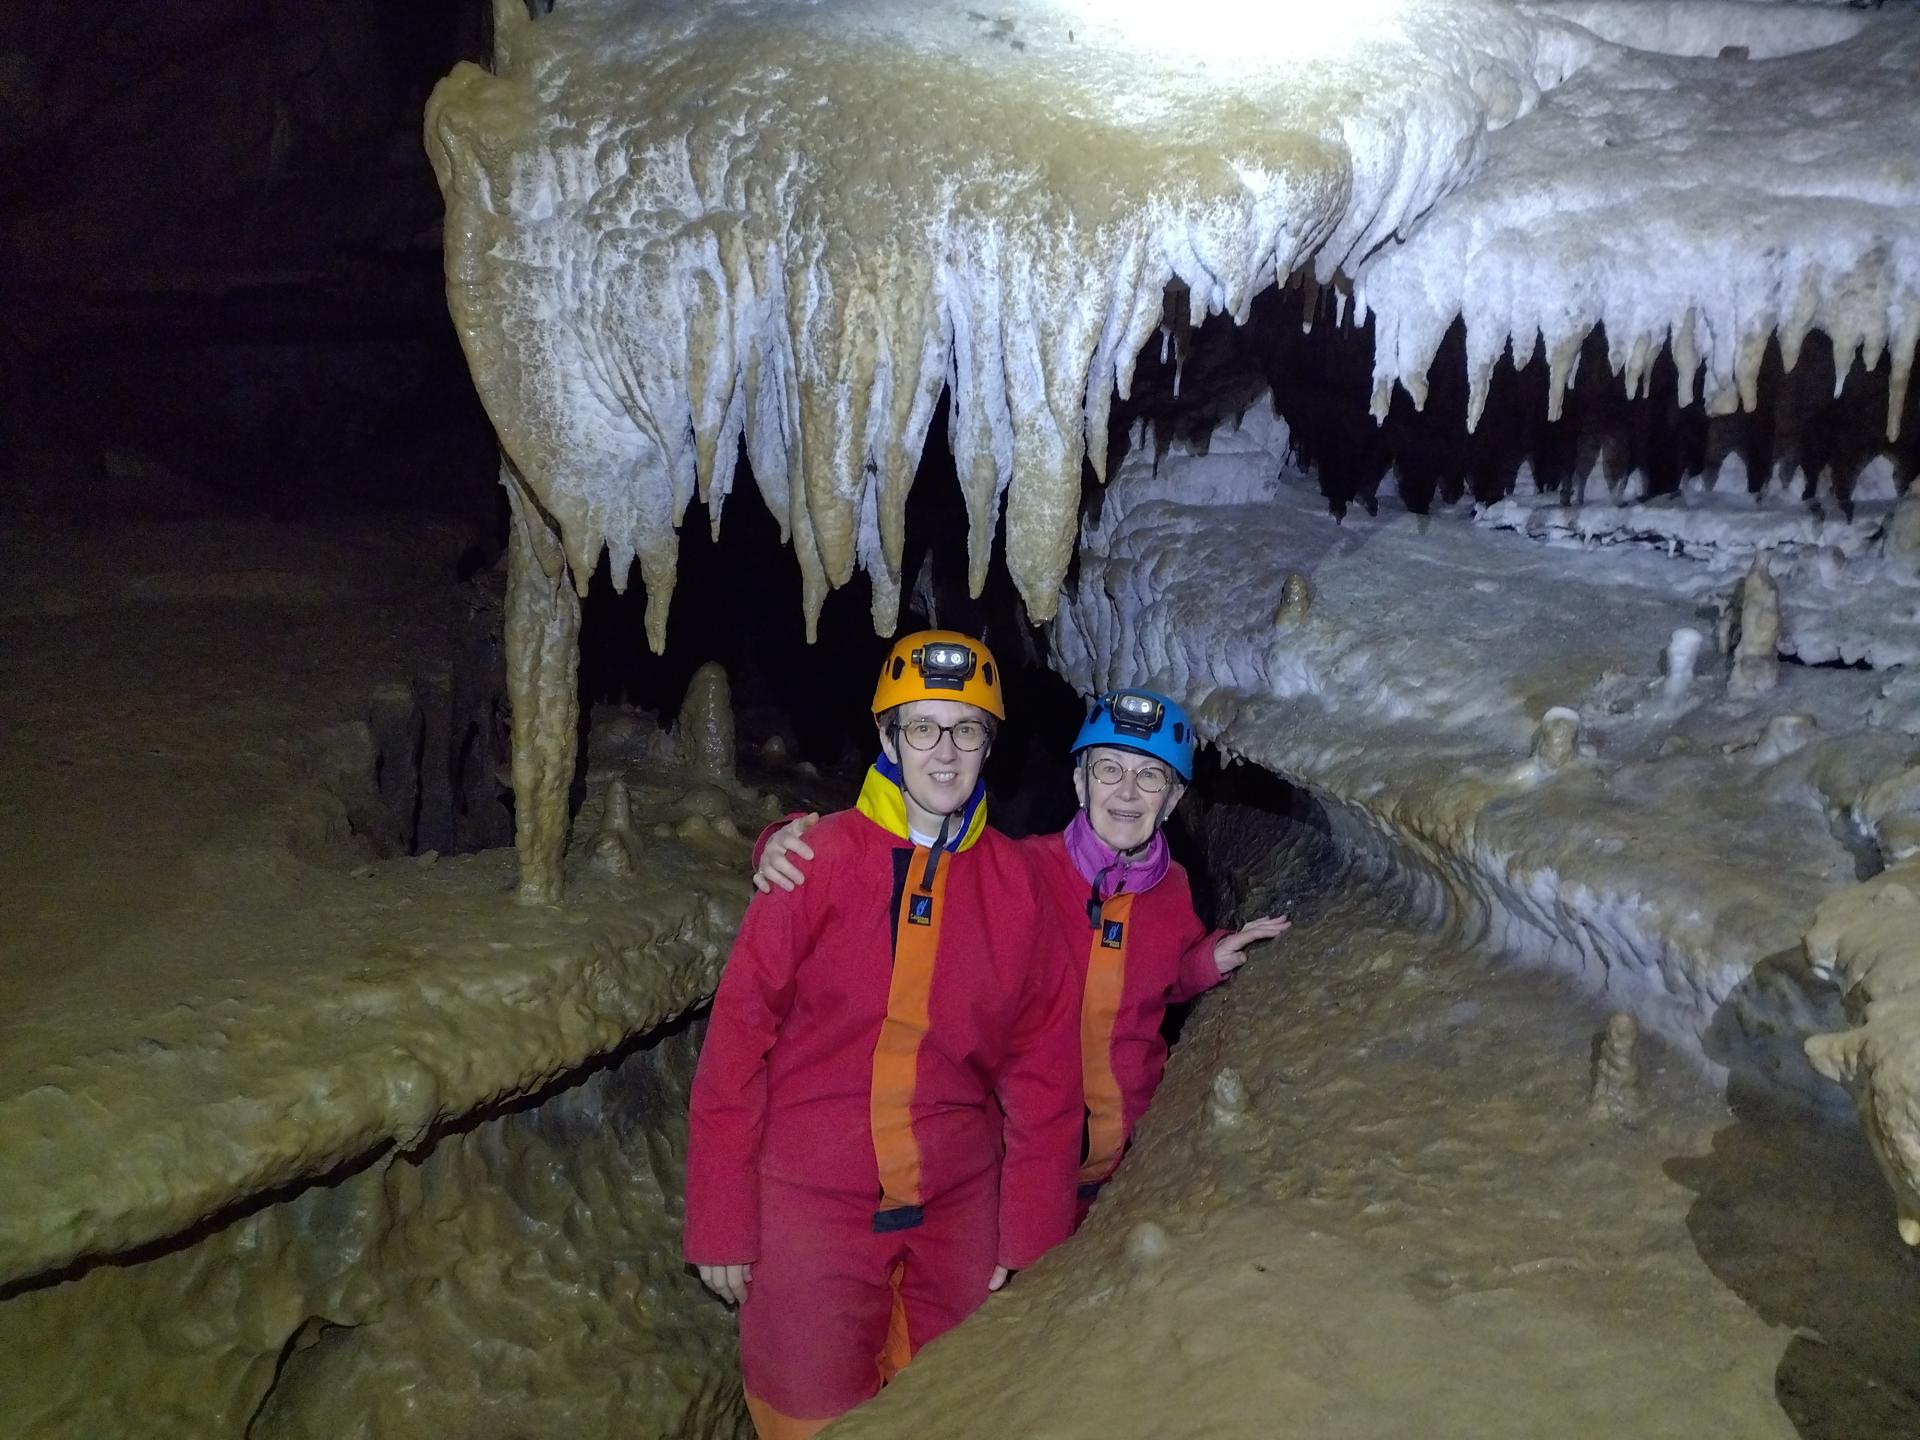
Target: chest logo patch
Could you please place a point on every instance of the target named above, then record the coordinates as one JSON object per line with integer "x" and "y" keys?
{"x": 920, "y": 910}
{"x": 1113, "y": 935}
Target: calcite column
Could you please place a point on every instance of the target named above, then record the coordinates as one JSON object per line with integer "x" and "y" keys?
{"x": 543, "y": 668}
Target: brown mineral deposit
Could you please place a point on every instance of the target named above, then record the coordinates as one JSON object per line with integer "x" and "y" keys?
{"x": 1615, "y": 1092}
{"x": 614, "y": 846}
{"x": 1756, "y": 646}
{"x": 706, "y": 724}
{"x": 1296, "y": 598}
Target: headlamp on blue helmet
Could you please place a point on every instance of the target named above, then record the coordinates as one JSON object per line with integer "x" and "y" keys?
{"x": 1145, "y": 722}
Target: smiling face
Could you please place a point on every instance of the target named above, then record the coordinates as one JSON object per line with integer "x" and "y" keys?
{"x": 940, "y": 780}
{"x": 1123, "y": 814}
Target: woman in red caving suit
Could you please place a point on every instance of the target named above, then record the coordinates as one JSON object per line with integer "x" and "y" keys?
{"x": 1122, "y": 902}
{"x": 888, "y": 1095}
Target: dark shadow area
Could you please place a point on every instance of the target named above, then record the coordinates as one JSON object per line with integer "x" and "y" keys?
{"x": 738, "y": 601}
{"x": 1322, "y": 383}
{"x": 1793, "y": 1216}
{"x": 1252, "y": 844}
{"x": 220, "y": 264}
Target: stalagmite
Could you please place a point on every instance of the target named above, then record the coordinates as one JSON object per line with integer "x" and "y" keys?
{"x": 1756, "y": 641}
{"x": 1296, "y": 598}
{"x": 1147, "y": 1246}
{"x": 1781, "y": 736}
{"x": 1677, "y": 661}
{"x": 1227, "y": 1105}
{"x": 543, "y": 665}
{"x": 614, "y": 847}
{"x": 1556, "y": 739}
{"x": 705, "y": 733}
{"x": 1615, "y": 1093}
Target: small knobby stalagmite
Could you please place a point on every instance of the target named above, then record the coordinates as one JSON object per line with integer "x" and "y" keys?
{"x": 1756, "y": 639}
{"x": 1296, "y": 598}
{"x": 1556, "y": 739}
{"x": 1227, "y": 1105}
{"x": 615, "y": 847}
{"x": 1677, "y": 661}
{"x": 1615, "y": 1093}
{"x": 706, "y": 724}
{"x": 1780, "y": 737}
{"x": 1147, "y": 1246}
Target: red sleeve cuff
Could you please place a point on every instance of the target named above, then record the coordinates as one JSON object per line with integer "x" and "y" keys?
{"x": 1198, "y": 972}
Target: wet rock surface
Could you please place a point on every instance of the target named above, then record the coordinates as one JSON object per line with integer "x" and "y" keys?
{"x": 306, "y": 1127}
{"x": 1414, "y": 1228}
{"x": 517, "y": 1275}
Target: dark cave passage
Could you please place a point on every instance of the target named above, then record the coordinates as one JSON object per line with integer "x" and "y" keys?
{"x": 1321, "y": 379}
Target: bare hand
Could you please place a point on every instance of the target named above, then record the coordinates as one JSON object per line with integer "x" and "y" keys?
{"x": 729, "y": 1282}
{"x": 777, "y": 865}
{"x": 1230, "y": 951}
{"x": 1001, "y": 1274}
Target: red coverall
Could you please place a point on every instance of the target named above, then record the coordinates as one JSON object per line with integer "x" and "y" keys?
{"x": 847, "y": 1130}
{"x": 1160, "y": 955}
{"x": 1138, "y": 955}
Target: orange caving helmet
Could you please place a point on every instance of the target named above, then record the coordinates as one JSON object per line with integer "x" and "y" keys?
{"x": 939, "y": 665}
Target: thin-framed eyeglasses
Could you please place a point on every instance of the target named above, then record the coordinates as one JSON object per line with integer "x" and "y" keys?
{"x": 1150, "y": 778}
{"x": 923, "y": 734}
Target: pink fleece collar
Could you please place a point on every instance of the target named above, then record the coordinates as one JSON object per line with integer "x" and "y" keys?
{"x": 1102, "y": 866}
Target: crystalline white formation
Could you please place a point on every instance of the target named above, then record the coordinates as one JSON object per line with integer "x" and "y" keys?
{"x": 1712, "y": 205}
{"x": 672, "y": 227}
{"x": 1669, "y": 854}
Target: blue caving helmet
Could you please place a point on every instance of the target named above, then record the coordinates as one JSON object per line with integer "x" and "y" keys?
{"x": 1144, "y": 721}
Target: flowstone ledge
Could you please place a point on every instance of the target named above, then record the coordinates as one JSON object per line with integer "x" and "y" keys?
{"x": 1541, "y": 784}
{"x": 302, "y": 1133}
{"x": 394, "y": 1008}
{"x": 399, "y": 1151}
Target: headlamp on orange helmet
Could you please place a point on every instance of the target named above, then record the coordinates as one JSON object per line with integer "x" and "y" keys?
{"x": 939, "y": 665}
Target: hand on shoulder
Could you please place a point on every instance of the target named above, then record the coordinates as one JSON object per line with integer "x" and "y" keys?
{"x": 785, "y": 849}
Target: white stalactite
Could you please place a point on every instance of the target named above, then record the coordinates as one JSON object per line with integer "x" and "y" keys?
{"x": 794, "y": 225}
{"x": 1714, "y": 205}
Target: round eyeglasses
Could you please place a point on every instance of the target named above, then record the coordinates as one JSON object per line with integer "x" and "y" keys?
{"x": 1108, "y": 771}
{"x": 924, "y": 734}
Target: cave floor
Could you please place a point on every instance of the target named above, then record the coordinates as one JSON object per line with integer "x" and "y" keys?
{"x": 221, "y": 969}
{"x": 165, "y": 685}
{"x": 1415, "y": 1228}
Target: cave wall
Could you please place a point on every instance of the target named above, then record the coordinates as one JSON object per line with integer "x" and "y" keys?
{"x": 518, "y": 1274}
